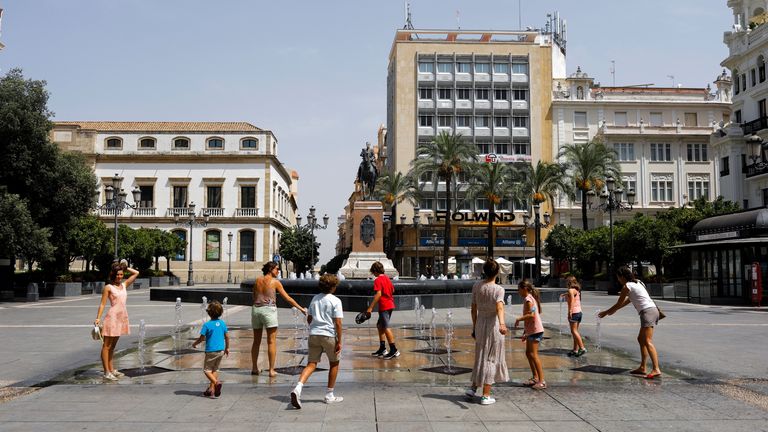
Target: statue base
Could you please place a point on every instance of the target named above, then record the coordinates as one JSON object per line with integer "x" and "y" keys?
{"x": 358, "y": 265}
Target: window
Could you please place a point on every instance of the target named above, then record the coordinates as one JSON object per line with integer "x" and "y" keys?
{"x": 213, "y": 197}
{"x": 661, "y": 152}
{"x": 445, "y": 121}
{"x": 463, "y": 121}
{"x": 752, "y": 77}
{"x": 691, "y": 119}
{"x": 213, "y": 245}
{"x": 481, "y": 94}
{"x": 427, "y": 67}
{"x": 501, "y": 94}
{"x": 181, "y": 144}
{"x": 427, "y": 204}
{"x": 441, "y": 204}
{"x": 625, "y": 151}
{"x": 520, "y": 68}
{"x": 249, "y": 144}
{"x": 482, "y": 121}
{"x": 698, "y": 187}
{"x": 482, "y": 68}
{"x": 501, "y": 148}
{"x": 761, "y": 68}
{"x": 463, "y": 94}
{"x": 248, "y": 196}
{"x": 522, "y": 148}
{"x": 216, "y": 143}
{"x": 743, "y": 81}
{"x": 520, "y": 121}
{"x": 580, "y": 119}
{"x": 483, "y": 147}
{"x": 697, "y": 152}
{"x": 147, "y": 143}
{"x": 179, "y": 196}
{"x": 656, "y": 119}
{"x": 114, "y": 143}
{"x": 182, "y": 255}
{"x": 518, "y": 94}
{"x": 501, "y": 68}
{"x": 425, "y": 121}
{"x": 481, "y": 204}
{"x": 444, "y": 93}
{"x": 463, "y": 67}
{"x": 628, "y": 184}
{"x": 761, "y": 112}
{"x": 620, "y": 118}
{"x": 737, "y": 116}
{"x": 765, "y": 198}
{"x": 725, "y": 166}
{"x": 444, "y": 67}
{"x": 247, "y": 245}
{"x": 426, "y": 93}
{"x": 147, "y": 196}
{"x": 500, "y": 121}
{"x": 661, "y": 189}
{"x": 736, "y": 86}
{"x": 426, "y": 177}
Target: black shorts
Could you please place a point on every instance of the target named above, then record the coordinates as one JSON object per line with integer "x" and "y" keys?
{"x": 384, "y": 318}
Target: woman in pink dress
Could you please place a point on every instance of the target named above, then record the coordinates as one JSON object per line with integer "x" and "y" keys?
{"x": 115, "y": 322}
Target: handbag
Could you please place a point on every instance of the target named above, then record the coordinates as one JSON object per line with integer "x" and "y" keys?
{"x": 96, "y": 333}
{"x": 662, "y": 315}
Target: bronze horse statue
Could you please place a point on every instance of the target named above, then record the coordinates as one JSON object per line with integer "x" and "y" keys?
{"x": 367, "y": 173}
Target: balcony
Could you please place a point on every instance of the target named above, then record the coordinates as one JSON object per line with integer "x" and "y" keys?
{"x": 463, "y": 77}
{"x": 426, "y": 104}
{"x": 214, "y": 211}
{"x": 519, "y": 78}
{"x": 500, "y": 77}
{"x": 483, "y": 104}
{"x": 426, "y": 131}
{"x": 755, "y": 125}
{"x": 182, "y": 211}
{"x": 444, "y": 104}
{"x": 442, "y": 76}
{"x": 756, "y": 169}
{"x": 519, "y": 105}
{"x": 247, "y": 212}
{"x": 463, "y": 104}
{"x": 106, "y": 212}
{"x": 426, "y": 76}
{"x": 482, "y": 77}
{"x": 500, "y": 104}
{"x": 144, "y": 211}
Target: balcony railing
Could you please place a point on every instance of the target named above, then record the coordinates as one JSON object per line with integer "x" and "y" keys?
{"x": 757, "y": 169}
{"x": 755, "y": 125}
{"x": 247, "y": 212}
{"x": 144, "y": 211}
{"x": 214, "y": 211}
{"x": 183, "y": 211}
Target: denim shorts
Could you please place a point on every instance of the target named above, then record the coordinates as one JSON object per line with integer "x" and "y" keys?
{"x": 536, "y": 337}
{"x": 384, "y": 318}
{"x": 575, "y": 317}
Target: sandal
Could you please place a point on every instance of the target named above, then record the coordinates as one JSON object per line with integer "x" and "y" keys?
{"x": 531, "y": 382}
{"x": 651, "y": 376}
{"x": 541, "y": 385}
{"x": 637, "y": 371}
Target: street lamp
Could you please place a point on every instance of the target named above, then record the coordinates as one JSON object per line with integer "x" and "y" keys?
{"x": 229, "y": 265}
{"x": 434, "y": 252}
{"x": 610, "y": 201}
{"x": 537, "y": 225}
{"x": 403, "y": 219}
{"x": 417, "y": 225}
{"x": 115, "y": 201}
{"x": 525, "y": 252}
{"x": 312, "y": 225}
{"x": 191, "y": 221}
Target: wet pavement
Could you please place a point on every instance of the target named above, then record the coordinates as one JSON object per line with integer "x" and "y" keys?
{"x": 379, "y": 394}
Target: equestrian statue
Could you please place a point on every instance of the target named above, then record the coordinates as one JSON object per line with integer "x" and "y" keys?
{"x": 367, "y": 173}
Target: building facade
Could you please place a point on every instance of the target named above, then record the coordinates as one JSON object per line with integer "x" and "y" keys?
{"x": 492, "y": 87}
{"x": 229, "y": 170}
{"x": 660, "y": 135}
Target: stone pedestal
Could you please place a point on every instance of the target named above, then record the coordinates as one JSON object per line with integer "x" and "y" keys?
{"x": 367, "y": 242}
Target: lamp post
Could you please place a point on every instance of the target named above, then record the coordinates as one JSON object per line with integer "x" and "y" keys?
{"x": 403, "y": 220}
{"x": 417, "y": 226}
{"x": 434, "y": 252}
{"x": 525, "y": 252}
{"x": 115, "y": 201}
{"x": 191, "y": 222}
{"x": 229, "y": 264}
{"x": 537, "y": 225}
{"x": 610, "y": 201}
{"x": 312, "y": 225}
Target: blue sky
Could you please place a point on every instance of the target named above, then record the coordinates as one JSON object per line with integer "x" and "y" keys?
{"x": 314, "y": 72}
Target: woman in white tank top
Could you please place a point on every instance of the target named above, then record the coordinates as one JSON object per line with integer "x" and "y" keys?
{"x": 633, "y": 291}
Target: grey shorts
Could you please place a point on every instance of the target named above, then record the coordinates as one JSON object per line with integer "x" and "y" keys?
{"x": 263, "y": 317}
{"x": 649, "y": 317}
{"x": 212, "y": 360}
{"x": 384, "y": 318}
{"x": 322, "y": 344}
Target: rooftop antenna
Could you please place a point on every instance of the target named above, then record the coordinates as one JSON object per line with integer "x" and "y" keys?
{"x": 408, "y": 23}
{"x": 519, "y": 15}
{"x": 613, "y": 71}
{"x": 458, "y": 23}
{"x": 672, "y": 77}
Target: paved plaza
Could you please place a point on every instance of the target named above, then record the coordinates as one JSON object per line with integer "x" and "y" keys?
{"x": 53, "y": 379}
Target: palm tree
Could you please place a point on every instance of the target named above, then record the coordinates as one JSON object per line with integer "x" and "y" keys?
{"x": 492, "y": 181}
{"x": 392, "y": 188}
{"x": 587, "y": 164}
{"x": 542, "y": 182}
{"x": 447, "y": 156}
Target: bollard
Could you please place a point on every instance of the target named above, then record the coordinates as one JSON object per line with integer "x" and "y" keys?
{"x": 33, "y": 294}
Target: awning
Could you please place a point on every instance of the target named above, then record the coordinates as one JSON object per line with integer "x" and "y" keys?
{"x": 724, "y": 242}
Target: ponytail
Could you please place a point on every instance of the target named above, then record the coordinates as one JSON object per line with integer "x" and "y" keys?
{"x": 626, "y": 273}
{"x": 528, "y": 286}
{"x": 537, "y": 295}
{"x": 572, "y": 282}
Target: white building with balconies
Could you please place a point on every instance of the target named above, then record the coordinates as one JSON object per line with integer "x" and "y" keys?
{"x": 228, "y": 170}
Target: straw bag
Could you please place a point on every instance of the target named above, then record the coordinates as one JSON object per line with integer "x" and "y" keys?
{"x": 96, "y": 333}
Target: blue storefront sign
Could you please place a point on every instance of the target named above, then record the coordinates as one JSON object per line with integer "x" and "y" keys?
{"x": 427, "y": 241}
{"x": 473, "y": 241}
{"x": 509, "y": 242}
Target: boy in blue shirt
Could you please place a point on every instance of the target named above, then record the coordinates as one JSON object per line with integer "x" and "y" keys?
{"x": 214, "y": 333}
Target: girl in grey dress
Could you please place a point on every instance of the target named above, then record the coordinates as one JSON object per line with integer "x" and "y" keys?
{"x": 488, "y": 329}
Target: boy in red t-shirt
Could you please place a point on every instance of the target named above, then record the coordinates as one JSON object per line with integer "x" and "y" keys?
{"x": 384, "y": 290}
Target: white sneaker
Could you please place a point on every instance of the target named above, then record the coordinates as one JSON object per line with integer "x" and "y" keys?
{"x": 333, "y": 399}
{"x": 296, "y": 399}
{"x": 487, "y": 400}
{"x": 118, "y": 374}
{"x": 470, "y": 392}
{"x": 109, "y": 376}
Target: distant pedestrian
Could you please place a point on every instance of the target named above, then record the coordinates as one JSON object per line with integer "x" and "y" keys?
{"x": 488, "y": 329}
{"x": 534, "y": 331}
{"x": 216, "y": 337}
{"x": 116, "y": 320}
{"x": 384, "y": 296}
{"x": 264, "y": 314}
{"x": 573, "y": 296}
{"x": 324, "y": 316}
{"x": 633, "y": 291}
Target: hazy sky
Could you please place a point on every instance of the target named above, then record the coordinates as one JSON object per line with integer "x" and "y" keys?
{"x": 312, "y": 71}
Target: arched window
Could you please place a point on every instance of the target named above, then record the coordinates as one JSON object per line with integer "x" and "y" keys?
{"x": 736, "y": 86}
{"x": 213, "y": 245}
{"x": 761, "y": 68}
{"x": 181, "y": 143}
{"x": 247, "y": 245}
{"x": 182, "y": 255}
{"x": 249, "y": 143}
{"x": 147, "y": 143}
{"x": 114, "y": 143}
{"x": 215, "y": 143}
{"x": 579, "y": 92}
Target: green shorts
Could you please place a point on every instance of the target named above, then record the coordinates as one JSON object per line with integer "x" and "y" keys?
{"x": 263, "y": 317}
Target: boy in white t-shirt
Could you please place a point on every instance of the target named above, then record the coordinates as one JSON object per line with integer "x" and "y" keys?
{"x": 324, "y": 316}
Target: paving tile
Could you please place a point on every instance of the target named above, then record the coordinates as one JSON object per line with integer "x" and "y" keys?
{"x": 512, "y": 426}
{"x": 349, "y": 426}
{"x": 565, "y": 426}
